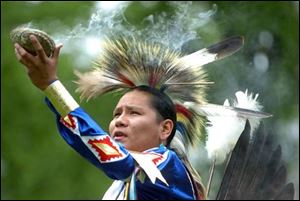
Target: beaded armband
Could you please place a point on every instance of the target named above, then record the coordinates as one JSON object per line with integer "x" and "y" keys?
{"x": 61, "y": 99}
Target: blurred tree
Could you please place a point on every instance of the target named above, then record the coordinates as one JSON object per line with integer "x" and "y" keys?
{"x": 37, "y": 164}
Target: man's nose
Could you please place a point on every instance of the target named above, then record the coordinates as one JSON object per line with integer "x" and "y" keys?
{"x": 121, "y": 121}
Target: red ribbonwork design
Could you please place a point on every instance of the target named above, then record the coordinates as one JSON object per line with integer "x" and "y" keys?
{"x": 157, "y": 159}
{"x": 68, "y": 121}
{"x": 105, "y": 148}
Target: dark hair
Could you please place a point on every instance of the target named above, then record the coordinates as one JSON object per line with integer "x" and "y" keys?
{"x": 163, "y": 105}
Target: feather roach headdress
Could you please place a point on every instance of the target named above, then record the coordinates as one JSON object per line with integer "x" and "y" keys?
{"x": 126, "y": 63}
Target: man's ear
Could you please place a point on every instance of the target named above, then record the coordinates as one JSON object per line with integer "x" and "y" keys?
{"x": 166, "y": 129}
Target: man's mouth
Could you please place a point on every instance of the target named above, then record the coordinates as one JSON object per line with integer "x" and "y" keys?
{"x": 119, "y": 136}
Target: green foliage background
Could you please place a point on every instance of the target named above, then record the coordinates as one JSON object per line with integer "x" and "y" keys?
{"x": 37, "y": 164}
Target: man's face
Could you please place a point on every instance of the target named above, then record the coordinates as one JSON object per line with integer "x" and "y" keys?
{"x": 135, "y": 123}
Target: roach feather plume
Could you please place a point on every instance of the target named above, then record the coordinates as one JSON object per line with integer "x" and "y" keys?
{"x": 126, "y": 63}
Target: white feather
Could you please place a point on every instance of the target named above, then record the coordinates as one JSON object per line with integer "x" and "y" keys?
{"x": 249, "y": 102}
{"x": 224, "y": 130}
{"x": 199, "y": 58}
{"x": 222, "y": 136}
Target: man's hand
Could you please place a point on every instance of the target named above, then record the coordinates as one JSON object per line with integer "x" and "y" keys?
{"x": 42, "y": 70}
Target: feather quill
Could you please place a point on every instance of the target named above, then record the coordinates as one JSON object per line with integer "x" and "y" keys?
{"x": 215, "y": 52}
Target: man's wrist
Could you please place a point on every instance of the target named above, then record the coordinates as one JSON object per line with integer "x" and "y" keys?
{"x": 61, "y": 99}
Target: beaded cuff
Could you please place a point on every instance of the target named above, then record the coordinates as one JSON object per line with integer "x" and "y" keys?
{"x": 61, "y": 99}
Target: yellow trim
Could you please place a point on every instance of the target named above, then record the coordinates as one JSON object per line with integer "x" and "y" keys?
{"x": 126, "y": 191}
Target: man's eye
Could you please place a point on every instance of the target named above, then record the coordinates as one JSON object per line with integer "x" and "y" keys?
{"x": 116, "y": 114}
{"x": 135, "y": 113}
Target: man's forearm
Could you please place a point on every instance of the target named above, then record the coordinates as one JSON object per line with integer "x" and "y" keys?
{"x": 61, "y": 99}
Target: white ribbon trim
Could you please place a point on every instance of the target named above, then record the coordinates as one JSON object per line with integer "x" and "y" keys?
{"x": 145, "y": 162}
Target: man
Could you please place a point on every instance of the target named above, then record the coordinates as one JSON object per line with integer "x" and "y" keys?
{"x": 137, "y": 153}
